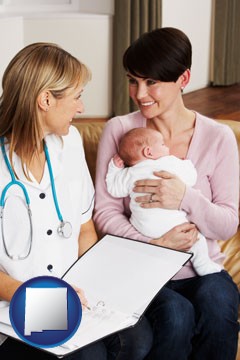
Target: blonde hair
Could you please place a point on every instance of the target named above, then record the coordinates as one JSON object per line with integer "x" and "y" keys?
{"x": 36, "y": 68}
{"x": 133, "y": 142}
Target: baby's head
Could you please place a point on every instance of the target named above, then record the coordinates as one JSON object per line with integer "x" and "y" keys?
{"x": 140, "y": 144}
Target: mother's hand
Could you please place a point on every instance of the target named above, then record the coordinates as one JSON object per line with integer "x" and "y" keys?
{"x": 166, "y": 192}
{"x": 181, "y": 237}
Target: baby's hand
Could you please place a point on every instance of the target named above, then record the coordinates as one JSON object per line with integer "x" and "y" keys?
{"x": 118, "y": 161}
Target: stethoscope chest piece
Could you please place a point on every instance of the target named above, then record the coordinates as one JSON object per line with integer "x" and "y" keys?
{"x": 65, "y": 229}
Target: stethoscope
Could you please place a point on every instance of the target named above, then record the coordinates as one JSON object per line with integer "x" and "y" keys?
{"x": 64, "y": 229}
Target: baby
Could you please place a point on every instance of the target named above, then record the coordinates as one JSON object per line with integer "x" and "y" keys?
{"x": 142, "y": 151}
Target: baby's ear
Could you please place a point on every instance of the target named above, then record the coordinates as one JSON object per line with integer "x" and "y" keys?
{"x": 147, "y": 152}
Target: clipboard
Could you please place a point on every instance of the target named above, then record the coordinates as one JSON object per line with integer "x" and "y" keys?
{"x": 120, "y": 278}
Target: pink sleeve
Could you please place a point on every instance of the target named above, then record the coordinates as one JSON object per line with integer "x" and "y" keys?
{"x": 110, "y": 213}
{"x": 214, "y": 201}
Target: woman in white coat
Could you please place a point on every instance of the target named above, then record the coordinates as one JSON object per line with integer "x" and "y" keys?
{"x": 43, "y": 153}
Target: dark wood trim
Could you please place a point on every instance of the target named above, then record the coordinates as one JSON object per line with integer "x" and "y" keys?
{"x": 218, "y": 102}
{"x": 86, "y": 120}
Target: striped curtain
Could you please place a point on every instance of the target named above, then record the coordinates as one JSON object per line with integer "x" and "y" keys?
{"x": 132, "y": 18}
{"x": 226, "y": 43}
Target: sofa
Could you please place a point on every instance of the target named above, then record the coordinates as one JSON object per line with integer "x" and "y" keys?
{"x": 91, "y": 131}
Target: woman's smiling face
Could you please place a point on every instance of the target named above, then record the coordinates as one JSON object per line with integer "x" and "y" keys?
{"x": 153, "y": 97}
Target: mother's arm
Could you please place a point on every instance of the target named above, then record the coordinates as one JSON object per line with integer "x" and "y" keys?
{"x": 111, "y": 215}
{"x": 217, "y": 215}
{"x": 213, "y": 203}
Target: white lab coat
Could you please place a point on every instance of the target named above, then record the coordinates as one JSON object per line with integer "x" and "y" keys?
{"x": 75, "y": 194}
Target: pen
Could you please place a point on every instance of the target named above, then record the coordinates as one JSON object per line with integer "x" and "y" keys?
{"x": 50, "y": 269}
{"x": 83, "y": 304}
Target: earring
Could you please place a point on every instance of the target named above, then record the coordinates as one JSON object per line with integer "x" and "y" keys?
{"x": 46, "y": 109}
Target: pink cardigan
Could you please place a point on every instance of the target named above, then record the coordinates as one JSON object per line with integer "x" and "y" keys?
{"x": 212, "y": 204}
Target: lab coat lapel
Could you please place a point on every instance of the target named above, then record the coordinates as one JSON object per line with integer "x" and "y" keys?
{"x": 55, "y": 153}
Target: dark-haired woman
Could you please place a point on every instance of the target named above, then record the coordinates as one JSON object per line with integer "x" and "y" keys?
{"x": 193, "y": 316}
